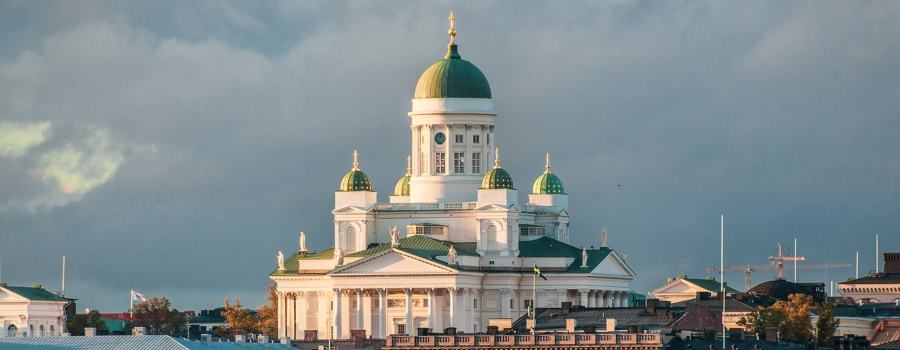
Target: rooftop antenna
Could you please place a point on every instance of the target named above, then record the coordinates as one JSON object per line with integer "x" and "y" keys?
{"x": 857, "y": 264}
{"x": 722, "y": 277}
{"x": 876, "y": 253}
{"x": 683, "y": 265}
{"x": 795, "y": 260}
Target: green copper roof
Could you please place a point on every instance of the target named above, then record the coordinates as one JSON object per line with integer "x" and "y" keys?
{"x": 402, "y": 188}
{"x": 452, "y": 77}
{"x": 33, "y": 293}
{"x": 356, "y": 180}
{"x": 497, "y": 178}
{"x": 547, "y": 184}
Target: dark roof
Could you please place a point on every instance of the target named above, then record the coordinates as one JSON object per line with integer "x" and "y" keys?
{"x": 877, "y": 278}
{"x": 780, "y": 289}
{"x": 36, "y": 293}
{"x": 710, "y": 284}
{"x": 892, "y": 345}
{"x": 553, "y": 318}
{"x": 704, "y": 344}
{"x": 715, "y": 304}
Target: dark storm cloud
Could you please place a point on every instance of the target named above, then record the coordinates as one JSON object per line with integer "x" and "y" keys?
{"x": 234, "y": 124}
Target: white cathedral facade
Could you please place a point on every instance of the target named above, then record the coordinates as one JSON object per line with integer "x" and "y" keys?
{"x": 453, "y": 247}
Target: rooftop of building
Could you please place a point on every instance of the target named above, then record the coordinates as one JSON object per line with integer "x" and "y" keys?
{"x": 34, "y": 293}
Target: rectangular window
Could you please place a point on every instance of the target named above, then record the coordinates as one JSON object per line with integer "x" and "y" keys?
{"x": 476, "y": 162}
{"x": 401, "y": 329}
{"x": 440, "y": 163}
{"x": 460, "y": 138}
{"x": 474, "y": 303}
{"x": 527, "y": 303}
{"x": 423, "y": 159}
{"x": 476, "y": 139}
{"x": 458, "y": 162}
{"x": 488, "y": 139}
{"x": 512, "y": 304}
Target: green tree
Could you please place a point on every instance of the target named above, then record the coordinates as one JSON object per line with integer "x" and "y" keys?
{"x": 78, "y": 323}
{"x": 791, "y": 318}
{"x": 267, "y": 314}
{"x": 155, "y": 314}
{"x": 827, "y": 325}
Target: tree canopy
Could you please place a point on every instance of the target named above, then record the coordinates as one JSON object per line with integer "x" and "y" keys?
{"x": 155, "y": 315}
{"x": 78, "y": 323}
{"x": 793, "y": 319}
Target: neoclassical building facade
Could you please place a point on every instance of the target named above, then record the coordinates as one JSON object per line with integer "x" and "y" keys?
{"x": 452, "y": 247}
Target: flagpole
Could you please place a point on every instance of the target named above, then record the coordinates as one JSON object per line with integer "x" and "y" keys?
{"x": 722, "y": 276}
{"x": 131, "y": 306}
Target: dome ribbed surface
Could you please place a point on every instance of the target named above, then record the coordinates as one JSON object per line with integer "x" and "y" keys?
{"x": 402, "y": 188}
{"x": 356, "y": 180}
{"x": 780, "y": 289}
{"x": 497, "y": 178}
{"x": 548, "y": 183}
{"x": 452, "y": 77}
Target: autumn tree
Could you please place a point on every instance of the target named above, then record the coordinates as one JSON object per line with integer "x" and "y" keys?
{"x": 827, "y": 325}
{"x": 156, "y": 316}
{"x": 240, "y": 318}
{"x": 267, "y": 314}
{"x": 78, "y": 323}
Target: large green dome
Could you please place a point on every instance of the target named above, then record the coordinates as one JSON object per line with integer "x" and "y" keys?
{"x": 356, "y": 180}
{"x": 496, "y": 179}
{"x": 548, "y": 183}
{"x": 452, "y": 77}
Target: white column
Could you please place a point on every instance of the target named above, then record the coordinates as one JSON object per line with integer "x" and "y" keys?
{"x": 336, "y": 296}
{"x": 416, "y": 143}
{"x": 368, "y": 325}
{"x": 431, "y": 314}
{"x": 301, "y": 314}
{"x": 323, "y": 310}
{"x": 289, "y": 303}
{"x": 409, "y": 312}
{"x": 454, "y": 313}
{"x": 583, "y": 293}
{"x": 592, "y": 299}
{"x": 598, "y": 298}
{"x": 467, "y": 140}
{"x": 382, "y": 313}
{"x": 439, "y": 296}
{"x": 448, "y": 146}
{"x": 607, "y": 299}
{"x": 504, "y": 303}
{"x": 476, "y": 304}
{"x": 359, "y": 309}
{"x": 282, "y": 307}
{"x": 620, "y": 299}
{"x": 467, "y": 303}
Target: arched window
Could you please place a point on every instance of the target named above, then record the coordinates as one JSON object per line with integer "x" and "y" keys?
{"x": 11, "y": 331}
{"x": 31, "y": 330}
{"x": 350, "y": 239}
{"x": 491, "y": 237}
{"x": 41, "y": 331}
{"x": 52, "y": 331}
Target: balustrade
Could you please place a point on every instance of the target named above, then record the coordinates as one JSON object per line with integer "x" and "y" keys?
{"x": 512, "y": 340}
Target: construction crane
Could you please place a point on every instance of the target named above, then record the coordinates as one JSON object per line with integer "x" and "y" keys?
{"x": 777, "y": 263}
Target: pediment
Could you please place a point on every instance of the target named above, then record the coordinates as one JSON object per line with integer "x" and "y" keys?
{"x": 678, "y": 286}
{"x": 350, "y": 210}
{"x": 500, "y": 208}
{"x": 393, "y": 262}
{"x": 613, "y": 265}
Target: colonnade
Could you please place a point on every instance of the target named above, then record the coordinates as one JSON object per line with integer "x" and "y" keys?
{"x": 385, "y": 311}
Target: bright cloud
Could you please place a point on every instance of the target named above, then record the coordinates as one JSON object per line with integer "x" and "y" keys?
{"x": 77, "y": 169}
{"x": 17, "y": 138}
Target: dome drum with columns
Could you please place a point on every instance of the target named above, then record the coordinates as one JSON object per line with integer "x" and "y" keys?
{"x": 453, "y": 247}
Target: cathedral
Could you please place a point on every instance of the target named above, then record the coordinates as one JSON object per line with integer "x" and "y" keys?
{"x": 453, "y": 247}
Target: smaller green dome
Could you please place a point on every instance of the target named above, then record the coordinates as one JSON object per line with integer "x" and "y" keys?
{"x": 497, "y": 179}
{"x": 547, "y": 183}
{"x": 402, "y": 188}
{"x": 355, "y": 180}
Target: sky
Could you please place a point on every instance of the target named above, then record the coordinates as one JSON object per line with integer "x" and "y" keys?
{"x": 175, "y": 147}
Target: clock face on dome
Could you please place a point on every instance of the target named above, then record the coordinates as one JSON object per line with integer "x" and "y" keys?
{"x": 440, "y": 138}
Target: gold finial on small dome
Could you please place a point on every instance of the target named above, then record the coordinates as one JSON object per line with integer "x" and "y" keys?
{"x": 408, "y": 166}
{"x": 548, "y": 164}
{"x": 452, "y": 31}
{"x": 497, "y": 158}
{"x": 355, "y": 160}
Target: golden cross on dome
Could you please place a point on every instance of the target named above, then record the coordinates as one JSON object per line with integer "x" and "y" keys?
{"x": 548, "y": 164}
{"x": 497, "y": 157}
{"x": 452, "y": 31}
{"x": 355, "y": 160}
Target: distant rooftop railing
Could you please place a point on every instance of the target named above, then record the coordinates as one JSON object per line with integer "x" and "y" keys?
{"x": 407, "y": 341}
{"x": 425, "y": 206}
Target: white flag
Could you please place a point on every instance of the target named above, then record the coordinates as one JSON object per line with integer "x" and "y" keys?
{"x": 137, "y": 296}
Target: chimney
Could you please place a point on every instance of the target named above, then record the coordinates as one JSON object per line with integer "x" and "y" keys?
{"x": 610, "y": 325}
{"x": 206, "y": 339}
{"x": 286, "y": 341}
{"x": 702, "y": 296}
{"x": 240, "y": 341}
{"x": 571, "y": 323}
{"x": 90, "y": 331}
{"x": 736, "y": 334}
{"x": 651, "y": 305}
{"x": 566, "y": 307}
{"x": 265, "y": 340}
{"x": 891, "y": 262}
{"x": 140, "y": 330}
